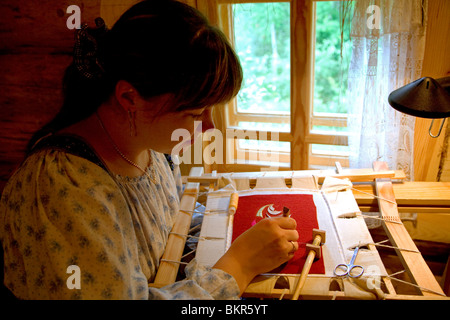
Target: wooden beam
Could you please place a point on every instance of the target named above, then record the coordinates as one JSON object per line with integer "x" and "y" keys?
{"x": 329, "y": 119}
{"x": 409, "y": 209}
{"x": 409, "y": 194}
{"x": 355, "y": 175}
{"x": 302, "y": 60}
{"x": 413, "y": 262}
{"x": 332, "y": 138}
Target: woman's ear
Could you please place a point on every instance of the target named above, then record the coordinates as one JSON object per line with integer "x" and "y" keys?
{"x": 127, "y": 95}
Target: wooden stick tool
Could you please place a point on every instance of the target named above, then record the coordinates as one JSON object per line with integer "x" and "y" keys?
{"x": 232, "y": 207}
{"x": 234, "y": 200}
{"x": 314, "y": 250}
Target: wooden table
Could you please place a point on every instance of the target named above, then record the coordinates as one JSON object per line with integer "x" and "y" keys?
{"x": 424, "y": 197}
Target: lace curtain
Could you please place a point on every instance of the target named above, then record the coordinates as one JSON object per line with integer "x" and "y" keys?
{"x": 384, "y": 59}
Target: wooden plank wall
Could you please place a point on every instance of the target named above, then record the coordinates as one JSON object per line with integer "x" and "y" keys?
{"x": 35, "y": 49}
{"x": 432, "y": 156}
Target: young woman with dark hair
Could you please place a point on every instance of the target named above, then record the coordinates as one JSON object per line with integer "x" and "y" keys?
{"x": 97, "y": 190}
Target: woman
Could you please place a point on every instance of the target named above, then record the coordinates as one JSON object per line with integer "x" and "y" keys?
{"x": 96, "y": 190}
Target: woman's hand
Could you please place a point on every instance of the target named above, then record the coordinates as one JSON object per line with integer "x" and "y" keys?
{"x": 262, "y": 248}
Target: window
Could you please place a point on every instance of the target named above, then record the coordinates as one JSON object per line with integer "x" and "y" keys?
{"x": 295, "y": 57}
{"x": 332, "y": 50}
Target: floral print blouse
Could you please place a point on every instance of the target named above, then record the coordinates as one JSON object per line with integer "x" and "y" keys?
{"x": 60, "y": 210}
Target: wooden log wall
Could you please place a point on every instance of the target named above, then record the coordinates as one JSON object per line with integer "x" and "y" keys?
{"x": 35, "y": 49}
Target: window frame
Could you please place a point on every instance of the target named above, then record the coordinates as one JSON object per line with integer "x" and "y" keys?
{"x": 302, "y": 117}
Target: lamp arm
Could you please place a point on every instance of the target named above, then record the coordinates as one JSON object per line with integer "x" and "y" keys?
{"x": 440, "y": 128}
{"x": 445, "y": 83}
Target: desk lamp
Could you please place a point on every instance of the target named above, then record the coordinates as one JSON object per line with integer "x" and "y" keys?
{"x": 425, "y": 98}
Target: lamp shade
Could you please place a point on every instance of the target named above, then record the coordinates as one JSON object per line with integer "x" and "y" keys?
{"x": 424, "y": 98}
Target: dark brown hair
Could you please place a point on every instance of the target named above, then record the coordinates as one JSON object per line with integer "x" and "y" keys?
{"x": 158, "y": 46}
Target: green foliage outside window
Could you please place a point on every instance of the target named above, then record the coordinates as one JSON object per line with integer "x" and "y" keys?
{"x": 262, "y": 40}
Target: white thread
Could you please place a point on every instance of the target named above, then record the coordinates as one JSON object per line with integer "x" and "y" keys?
{"x": 199, "y": 205}
{"x": 173, "y": 261}
{"x": 206, "y": 212}
{"x": 195, "y": 228}
{"x": 205, "y": 192}
{"x": 392, "y": 247}
{"x": 283, "y": 293}
{"x": 396, "y": 273}
{"x": 293, "y": 275}
{"x": 189, "y": 212}
{"x": 210, "y": 212}
{"x": 385, "y": 219}
{"x": 393, "y": 202}
{"x": 192, "y": 211}
{"x": 415, "y": 285}
{"x": 198, "y": 238}
{"x": 188, "y": 254}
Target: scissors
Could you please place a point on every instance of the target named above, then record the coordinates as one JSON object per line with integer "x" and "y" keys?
{"x": 352, "y": 270}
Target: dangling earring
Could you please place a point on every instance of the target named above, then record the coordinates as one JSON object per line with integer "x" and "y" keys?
{"x": 131, "y": 119}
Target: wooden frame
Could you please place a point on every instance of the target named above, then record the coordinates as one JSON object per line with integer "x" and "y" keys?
{"x": 413, "y": 262}
{"x": 168, "y": 268}
{"x": 381, "y": 178}
{"x": 411, "y": 196}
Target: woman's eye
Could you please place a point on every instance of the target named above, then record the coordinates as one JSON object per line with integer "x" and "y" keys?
{"x": 198, "y": 114}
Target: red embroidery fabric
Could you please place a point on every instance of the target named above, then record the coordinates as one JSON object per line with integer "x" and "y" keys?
{"x": 253, "y": 208}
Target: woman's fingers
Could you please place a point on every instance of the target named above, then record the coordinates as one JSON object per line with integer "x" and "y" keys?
{"x": 280, "y": 236}
{"x": 286, "y": 223}
{"x": 288, "y": 228}
{"x": 290, "y": 234}
{"x": 263, "y": 247}
{"x": 293, "y": 247}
